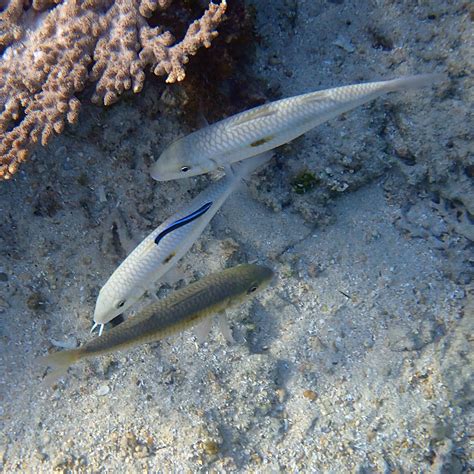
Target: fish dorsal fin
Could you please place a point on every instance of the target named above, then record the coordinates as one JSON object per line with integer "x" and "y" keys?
{"x": 180, "y": 297}
{"x": 201, "y": 120}
{"x": 245, "y": 118}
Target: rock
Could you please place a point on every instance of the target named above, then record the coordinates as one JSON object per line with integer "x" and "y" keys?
{"x": 36, "y": 301}
{"x": 405, "y": 339}
{"x": 310, "y": 395}
{"x": 103, "y": 390}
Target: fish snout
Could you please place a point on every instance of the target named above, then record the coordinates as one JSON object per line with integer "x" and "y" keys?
{"x": 104, "y": 310}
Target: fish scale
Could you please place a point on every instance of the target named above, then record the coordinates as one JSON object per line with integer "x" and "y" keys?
{"x": 268, "y": 126}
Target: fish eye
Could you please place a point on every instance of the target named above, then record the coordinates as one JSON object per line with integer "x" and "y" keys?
{"x": 120, "y": 304}
{"x": 252, "y": 289}
{"x": 185, "y": 169}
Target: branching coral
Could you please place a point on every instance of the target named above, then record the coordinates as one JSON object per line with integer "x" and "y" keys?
{"x": 52, "y": 48}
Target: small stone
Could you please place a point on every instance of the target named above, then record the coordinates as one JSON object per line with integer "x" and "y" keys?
{"x": 68, "y": 344}
{"x": 4, "y": 305}
{"x": 36, "y": 301}
{"x": 280, "y": 393}
{"x": 3, "y": 276}
{"x": 40, "y": 456}
{"x": 310, "y": 395}
{"x": 103, "y": 390}
{"x": 345, "y": 44}
{"x": 210, "y": 447}
{"x": 274, "y": 60}
{"x": 59, "y": 461}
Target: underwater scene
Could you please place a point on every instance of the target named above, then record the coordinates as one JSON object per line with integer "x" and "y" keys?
{"x": 236, "y": 236}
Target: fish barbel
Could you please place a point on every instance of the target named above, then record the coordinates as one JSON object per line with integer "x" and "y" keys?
{"x": 270, "y": 125}
{"x": 162, "y": 248}
{"x": 184, "y": 308}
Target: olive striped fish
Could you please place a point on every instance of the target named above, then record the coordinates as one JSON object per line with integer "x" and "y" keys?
{"x": 184, "y": 308}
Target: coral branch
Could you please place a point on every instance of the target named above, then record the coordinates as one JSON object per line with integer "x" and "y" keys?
{"x": 53, "y": 48}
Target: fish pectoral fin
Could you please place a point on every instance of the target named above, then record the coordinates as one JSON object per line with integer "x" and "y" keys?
{"x": 153, "y": 295}
{"x": 202, "y": 120}
{"x": 224, "y": 327}
{"x": 172, "y": 276}
{"x": 202, "y": 330}
{"x": 260, "y": 112}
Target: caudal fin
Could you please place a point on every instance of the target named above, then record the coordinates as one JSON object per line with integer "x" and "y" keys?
{"x": 60, "y": 363}
{"x": 413, "y": 82}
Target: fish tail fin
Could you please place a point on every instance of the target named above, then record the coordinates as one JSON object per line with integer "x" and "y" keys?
{"x": 413, "y": 82}
{"x": 244, "y": 168}
{"x": 60, "y": 363}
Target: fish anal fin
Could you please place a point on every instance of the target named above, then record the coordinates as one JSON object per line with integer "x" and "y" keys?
{"x": 202, "y": 330}
{"x": 225, "y": 329}
{"x": 258, "y": 113}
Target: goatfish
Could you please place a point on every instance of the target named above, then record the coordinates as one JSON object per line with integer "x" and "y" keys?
{"x": 270, "y": 125}
{"x": 167, "y": 244}
{"x": 187, "y": 307}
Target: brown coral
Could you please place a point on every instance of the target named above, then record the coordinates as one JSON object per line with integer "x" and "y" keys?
{"x": 49, "y": 54}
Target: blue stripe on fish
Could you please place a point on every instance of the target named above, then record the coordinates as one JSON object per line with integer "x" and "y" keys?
{"x": 183, "y": 221}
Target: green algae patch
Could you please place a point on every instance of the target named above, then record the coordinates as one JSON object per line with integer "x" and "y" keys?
{"x": 304, "y": 182}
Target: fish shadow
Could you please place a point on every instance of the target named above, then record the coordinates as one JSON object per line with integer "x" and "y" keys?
{"x": 259, "y": 329}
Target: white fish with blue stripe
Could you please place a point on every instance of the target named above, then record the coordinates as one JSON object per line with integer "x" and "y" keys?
{"x": 162, "y": 248}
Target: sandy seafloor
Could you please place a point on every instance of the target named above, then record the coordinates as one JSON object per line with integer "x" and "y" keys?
{"x": 357, "y": 359}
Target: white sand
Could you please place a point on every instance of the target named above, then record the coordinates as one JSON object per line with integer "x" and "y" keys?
{"x": 356, "y": 360}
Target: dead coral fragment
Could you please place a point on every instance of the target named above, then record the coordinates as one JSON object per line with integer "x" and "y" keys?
{"x": 49, "y": 55}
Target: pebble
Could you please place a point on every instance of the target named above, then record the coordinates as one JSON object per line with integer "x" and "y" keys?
{"x": 103, "y": 390}
{"x": 4, "y": 305}
{"x": 344, "y": 44}
{"x": 310, "y": 395}
{"x": 210, "y": 447}
{"x": 69, "y": 344}
{"x": 35, "y": 301}
{"x": 101, "y": 194}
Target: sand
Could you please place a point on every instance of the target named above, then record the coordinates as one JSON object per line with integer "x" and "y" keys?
{"x": 357, "y": 359}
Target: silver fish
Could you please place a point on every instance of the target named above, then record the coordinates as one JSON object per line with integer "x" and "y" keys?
{"x": 263, "y": 128}
{"x": 163, "y": 247}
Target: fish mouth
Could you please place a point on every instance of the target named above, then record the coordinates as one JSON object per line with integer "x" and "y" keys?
{"x": 266, "y": 274}
{"x": 100, "y": 326}
{"x": 155, "y": 174}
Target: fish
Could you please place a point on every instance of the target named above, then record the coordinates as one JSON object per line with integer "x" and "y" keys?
{"x": 192, "y": 305}
{"x": 166, "y": 245}
{"x": 268, "y": 126}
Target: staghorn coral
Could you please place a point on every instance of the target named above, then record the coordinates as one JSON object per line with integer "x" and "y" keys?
{"x": 50, "y": 52}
